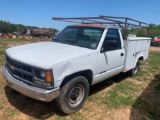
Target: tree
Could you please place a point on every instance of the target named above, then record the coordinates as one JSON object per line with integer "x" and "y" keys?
{"x": 7, "y": 27}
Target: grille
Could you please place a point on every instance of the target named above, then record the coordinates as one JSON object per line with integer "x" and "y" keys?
{"x": 19, "y": 70}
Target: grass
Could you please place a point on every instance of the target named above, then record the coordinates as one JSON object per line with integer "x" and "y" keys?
{"x": 9, "y": 112}
{"x": 2, "y": 52}
{"x": 158, "y": 87}
{"x": 107, "y": 99}
{"x": 121, "y": 95}
{"x": 10, "y": 40}
{"x": 157, "y": 78}
{"x": 154, "y": 60}
{"x": 146, "y": 108}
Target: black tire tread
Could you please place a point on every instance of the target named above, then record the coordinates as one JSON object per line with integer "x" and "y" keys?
{"x": 61, "y": 104}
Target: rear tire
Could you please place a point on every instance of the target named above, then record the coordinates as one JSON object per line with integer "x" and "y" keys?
{"x": 73, "y": 95}
{"x": 133, "y": 72}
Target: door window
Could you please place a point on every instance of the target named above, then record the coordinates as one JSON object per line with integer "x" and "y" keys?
{"x": 112, "y": 40}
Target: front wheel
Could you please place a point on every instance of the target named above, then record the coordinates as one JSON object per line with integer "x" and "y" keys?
{"x": 73, "y": 95}
{"x": 133, "y": 72}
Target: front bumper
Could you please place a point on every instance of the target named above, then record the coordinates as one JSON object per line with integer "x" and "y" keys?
{"x": 30, "y": 91}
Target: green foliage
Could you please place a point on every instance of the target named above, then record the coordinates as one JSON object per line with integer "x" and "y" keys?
{"x": 154, "y": 31}
{"x": 7, "y": 27}
{"x": 52, "y": 30}
{"x": 141, "y": 32}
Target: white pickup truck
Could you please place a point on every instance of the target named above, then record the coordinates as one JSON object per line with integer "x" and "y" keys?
{"x": 79, "y": 56}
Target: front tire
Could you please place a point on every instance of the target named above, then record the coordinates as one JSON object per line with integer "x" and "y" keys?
{"x": 73, "y": 95}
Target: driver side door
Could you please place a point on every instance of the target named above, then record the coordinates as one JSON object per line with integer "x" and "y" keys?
{"x": 112, "y": 55}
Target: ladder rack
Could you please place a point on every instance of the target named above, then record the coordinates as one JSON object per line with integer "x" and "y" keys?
{"x": 122, "y": 22}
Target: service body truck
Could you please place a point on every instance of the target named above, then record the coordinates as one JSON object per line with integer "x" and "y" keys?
{"x": 79, "y": 56}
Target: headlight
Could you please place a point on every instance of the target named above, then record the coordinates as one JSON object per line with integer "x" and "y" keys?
{"x": 43, "y": 77}
{"x": 42, "y": 74}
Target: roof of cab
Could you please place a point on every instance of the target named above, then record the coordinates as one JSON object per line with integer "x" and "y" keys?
{"x": 90, "y": 25}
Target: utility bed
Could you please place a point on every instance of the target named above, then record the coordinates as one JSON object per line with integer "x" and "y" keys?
{"x": 135, "y": 47}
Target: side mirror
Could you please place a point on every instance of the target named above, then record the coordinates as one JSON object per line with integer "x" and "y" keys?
{"x": 108, "y": 45}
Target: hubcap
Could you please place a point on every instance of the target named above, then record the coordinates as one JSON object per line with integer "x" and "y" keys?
{"x": 76, "y": 95}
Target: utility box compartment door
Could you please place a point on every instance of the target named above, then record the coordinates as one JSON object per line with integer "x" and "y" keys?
{"x": 141, "y": 45}
{"x": 130, "y": 55}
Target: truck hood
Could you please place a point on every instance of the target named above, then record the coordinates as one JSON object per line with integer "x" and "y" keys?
{"x": 45, "y": 53}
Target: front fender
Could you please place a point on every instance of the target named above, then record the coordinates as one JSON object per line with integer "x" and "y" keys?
{"x": 65, "y": 69}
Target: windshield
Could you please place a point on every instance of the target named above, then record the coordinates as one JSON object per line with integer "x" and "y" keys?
{"x": 88, "y": 37}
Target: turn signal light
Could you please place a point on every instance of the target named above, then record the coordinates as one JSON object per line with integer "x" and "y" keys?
{"x": 48, "y": 77}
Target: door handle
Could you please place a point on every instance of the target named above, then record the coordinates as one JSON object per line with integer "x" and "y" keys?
{"x": 122, "y": 54}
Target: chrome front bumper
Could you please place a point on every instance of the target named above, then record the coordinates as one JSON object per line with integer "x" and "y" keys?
{"x": 30, "y": 91}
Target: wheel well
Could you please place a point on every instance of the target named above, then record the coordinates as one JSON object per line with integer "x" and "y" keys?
{"x": 140, "y": 58}
{"x": 86, "y": 73}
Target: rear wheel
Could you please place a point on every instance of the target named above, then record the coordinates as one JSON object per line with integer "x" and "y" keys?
{"x": 73, "y": 95}
{"x": 133, "y": 72}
